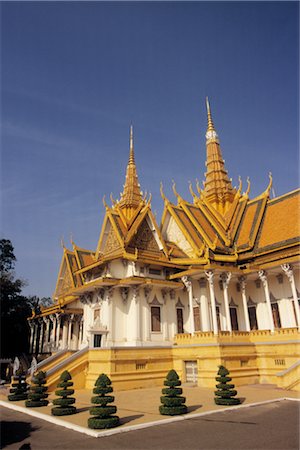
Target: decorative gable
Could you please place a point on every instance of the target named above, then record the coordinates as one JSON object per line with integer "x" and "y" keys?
{"x": 144, "y": 238}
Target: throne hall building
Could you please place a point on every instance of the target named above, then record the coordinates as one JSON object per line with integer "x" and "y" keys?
{"x": 217, "y": 282}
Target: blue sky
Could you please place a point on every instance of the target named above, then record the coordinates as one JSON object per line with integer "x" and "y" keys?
{"x": 75, "y": 74}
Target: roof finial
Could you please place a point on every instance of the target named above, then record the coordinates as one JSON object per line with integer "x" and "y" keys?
{"x": 211, "y": 134}
{"x": 131, "y": 146}
{"x": 210, "y": 125}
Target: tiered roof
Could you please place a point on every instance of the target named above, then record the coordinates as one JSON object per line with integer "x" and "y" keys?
{"x": 220, "y": 228}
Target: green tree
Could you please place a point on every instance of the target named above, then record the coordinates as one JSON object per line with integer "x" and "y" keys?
{"x": 15, "y": 307}
{"x": 226, "y": 392}
{"x": 172, "y": 402}
{"x": 64, "y": 403}
{"x": 103, "y": 414}
{"x": 38, "y": 391}
{"x": 19, "y": 387}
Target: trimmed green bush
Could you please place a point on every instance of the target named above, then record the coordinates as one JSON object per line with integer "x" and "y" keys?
{"x": 225, "y": 392}
{"x": 172, "y": 402}
{"x": 104, "y": 417}
{"x": 64, "y": 403}
{"x": 19, "y": 387}
{"x": 37, "y": 394}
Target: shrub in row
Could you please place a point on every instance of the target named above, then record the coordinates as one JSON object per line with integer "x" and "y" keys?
{"x": 226, "y": 392}
{"x": 19, "y": 387}
{"x": 103, "y": 414}
{"x": 172, "y": 402}
{"x": 38, "y": 391}
{"x": 64, "y": 403}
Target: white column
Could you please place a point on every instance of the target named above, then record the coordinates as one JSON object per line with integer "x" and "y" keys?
{"x": 146, "y": 321}
{"x": 65, "y": 332}
{"x": 173, "y": 314}
{"x": 225, "y": 278}
{"x": 41, "y": 336}
{"x": 263, "y": 277}
{"x": 242, "y": 281}
{"x": 35, "y": 334}
{"x": 210, "y": 277}
{"x": 205, "y": 319}
{"x": 135, "y": 299}
{"x": 58, "y": 322}
{"x": 31, "y": 324}
{"x": 53, "y": 332}
{"x": 288, "y": 270}
{"x": 110, "y": 315}
{"x": 47, "y": 321}
{"x": 189, "y": 288}
{"x": 76, "y": 333}
{"x": 70, "y": 324}
{"x": 80, "y": 332}
{"x": 165, "y": 314}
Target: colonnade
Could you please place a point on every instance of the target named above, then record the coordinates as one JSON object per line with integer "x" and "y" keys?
{"x": 55, "y": 332}
{"x": 224, "y": 279}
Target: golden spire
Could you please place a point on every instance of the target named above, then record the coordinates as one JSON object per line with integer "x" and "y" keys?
{"x": 218, "y": 189}
{"x": 211, "y": 134}
{"x": 131, "y": 198}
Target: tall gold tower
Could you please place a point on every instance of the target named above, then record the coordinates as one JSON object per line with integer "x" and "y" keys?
{"x": 131, "y": 198}
{"x": 218, "y": 189}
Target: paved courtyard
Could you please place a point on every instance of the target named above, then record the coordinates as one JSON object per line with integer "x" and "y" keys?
{"x": 271, "y": 426}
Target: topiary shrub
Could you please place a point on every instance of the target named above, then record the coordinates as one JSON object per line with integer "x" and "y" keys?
{"x": 64, "y": 403}
{"x": 225, "y": 392}
{"x": 19, "y": 387}
{"x": 103, "y": 413}
{"x": 172, "y": 402}
{"x": 37, "y": 393}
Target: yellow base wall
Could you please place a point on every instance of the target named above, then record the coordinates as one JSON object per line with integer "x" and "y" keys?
{"x": 256, "y": 357}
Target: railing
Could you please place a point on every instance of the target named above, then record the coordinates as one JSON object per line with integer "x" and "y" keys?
{"x": 49, "y": 360}
{"x": 70, "y": 358}
{"x": 252, "y": 336}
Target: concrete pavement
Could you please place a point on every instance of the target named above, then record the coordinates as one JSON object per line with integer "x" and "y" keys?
{"x": 272, "y": 426}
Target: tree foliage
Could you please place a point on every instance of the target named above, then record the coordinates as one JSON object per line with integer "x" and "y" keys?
{"x": 173, "y": 403}
{"x": 15, "y": 307}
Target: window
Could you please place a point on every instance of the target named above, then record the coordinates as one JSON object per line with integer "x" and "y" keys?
{"x": 252, "y": 317}
{"x": 179, "y": 312}
{"x": 155, "y": 318}
{"x": 154, "y": 271}
{"x": 276, "y": 316}
{"x": 234, "y": 319}
{"x": 197, "y": 318}
{"x": 97, "y": 340}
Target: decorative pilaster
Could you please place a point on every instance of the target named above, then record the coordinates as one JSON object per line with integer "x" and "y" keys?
{"x": 288, "y": 270}
{"x": 263, "y": 277}
{"x": 47, "y": 321}
{"x": 210, "y": 277}
{"x": 136, "y": 303}
{"x": 65, "y": 332}
{"x": 242, "y": 282}
{"x": 188, "y": 284}
{"x": 225, "y": 278}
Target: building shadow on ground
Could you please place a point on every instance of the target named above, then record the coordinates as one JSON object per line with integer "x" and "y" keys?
{"x": 127, "y": 419}
{"x": 193, "y": 408}
{"x": 12, "y": 432}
